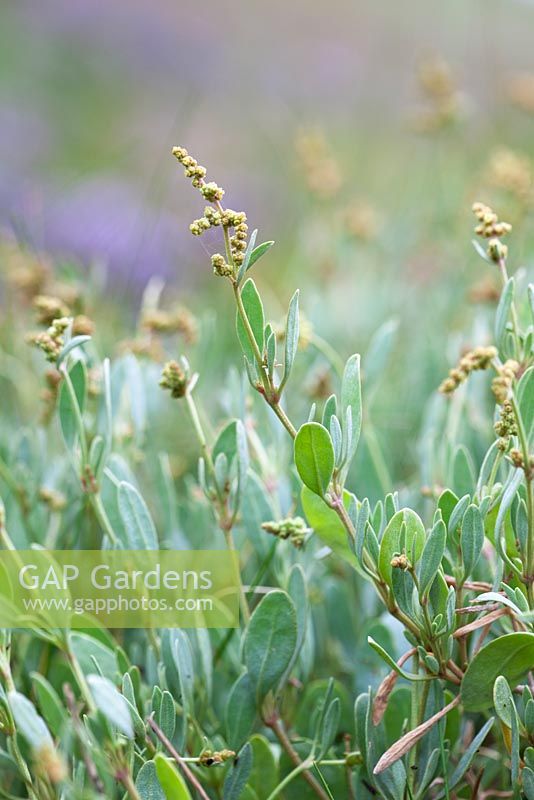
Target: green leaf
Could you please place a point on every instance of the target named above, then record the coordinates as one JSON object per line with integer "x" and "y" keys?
{"x": 327, "y": 525}
{"x": 329, "y": 726}
{"x": 111, "y": 703}
{"x": 431, "y": 556}
{"x": 237, "y": 776}
{"x": 248, "y": 252}
{"x": 503, "y": 312}
{"x": 28, "y": 722}
{"x": 67, "y": 411}
{"x": 446, "y": 504}
{"x": 49, "y": 703}
{"x": 166, "y": 717}
{"x": 147, "y": 783}
{"x": 178, "y": 660}
{"x": 76, "y": 341}
{"x": 528, "y": 783}
{"x": 511, "y": 656}
{"x": 471, "y": 539}
{"x": 351, "y": 397}
{"x": 292, "y": 336}
{"x": 136, "y": 519}
{"x": 270, "y": 641}
{"x": 467, "y": 757}
{"x": 525, "y": 395}
{"x": 463, "y": 472}
{"x": 171, "y": 781}
{"x": 390, "y": 544}
{"x": 503, "y": 701}
{"x": 254, "y": 313}
{"x": 314, "y": 457}
{"x": 240, "y": 711}
{"x": 264, "y": 774}
{"x": 87, "y": 650}
{"x": 258, "y": 252}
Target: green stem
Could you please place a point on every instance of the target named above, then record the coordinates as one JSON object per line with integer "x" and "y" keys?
{"x": 529, "y": 557}
{"x": 284, "y": 419}
{"x": 303, "y": 767}
{"x": 126, "y": 780}
{"x": 77, "y": 415}
{"x": 245, "y": 611}
{"x": 515, "y": 322}
{"x": 289, "y": 778}
{"x": 101, "y": 514}
{"x": 80, "y": 677}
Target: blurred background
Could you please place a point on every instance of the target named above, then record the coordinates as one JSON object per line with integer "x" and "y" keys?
{"x": 357, "y": 134}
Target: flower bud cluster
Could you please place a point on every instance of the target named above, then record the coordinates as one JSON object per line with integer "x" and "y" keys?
{"x": 49, "y": 308}
{"x": 210, "y": 758}
{"x": 477, "y": 359}
{"x": 506, "y": 426}
{"x": 235, "y": 222}
{"x": 400, "y": 562}
{"x": 292, "y": 528}
{"x": 191, "y": 166}
{"x": 51, "y": 341}
{"x": 491, "y": 228}
{"x": 175, "y": 378}
{"x": 502, "y": 383}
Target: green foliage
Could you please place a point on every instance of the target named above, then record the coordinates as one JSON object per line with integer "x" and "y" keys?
{"x": 356, "y": 588}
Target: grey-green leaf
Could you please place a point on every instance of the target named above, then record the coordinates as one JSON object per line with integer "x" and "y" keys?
{"x": 511, "y": 656}
{"x": 147, "y": 783}
{"x": 111, "y": 703}
{"x": 314, "y": 457}
{"x": 471, "y": 539}
{"x": 67, "y": 409}
{"x": 431, "y": 556}
{"x": 292, "y": 336}
{"x": 255, "y": 316}
{"x": 270, "y": 641}
{"x": 351, "y": 397}
{"x": 503, "y": 311}
{"x": 237, "y": 776}
{"x": 28, "y": 722}
{"x": 136, "y": 519}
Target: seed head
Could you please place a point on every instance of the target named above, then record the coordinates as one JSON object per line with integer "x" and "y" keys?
{"x": 175, "y": 378}
{"x": 292, "y": 528}
{"x": 478, "y": 359}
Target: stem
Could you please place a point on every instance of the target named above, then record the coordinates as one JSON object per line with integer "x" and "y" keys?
{"x": 302, "y": 766}
{"x": 289, "y": 777}
{"x": 191, "y": 777}
{"x": 269, "y": 392}
{"x": 101, "y": 515}
{"x": 77, "y": 415}
{"x": 80, "y": 678}
{"x": 126, "y": 780}
{"x": 529, "y": 557}
{"x": 245, "y": 611}
{"x": 284, "y": 419}
{"x": 199, "y": 431}
{"x": 515, "y": 323}
{"x": 222, "y": 515}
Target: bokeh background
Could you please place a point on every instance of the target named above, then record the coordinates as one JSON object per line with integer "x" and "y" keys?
{"x": 356, "y": 134}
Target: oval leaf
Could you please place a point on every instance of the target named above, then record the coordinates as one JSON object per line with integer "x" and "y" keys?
{"x": 511, "y": 656}
{"x": 314, "y": 457}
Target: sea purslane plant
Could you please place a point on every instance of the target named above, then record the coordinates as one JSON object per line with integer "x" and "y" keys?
{"x": 438, "y": 702}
